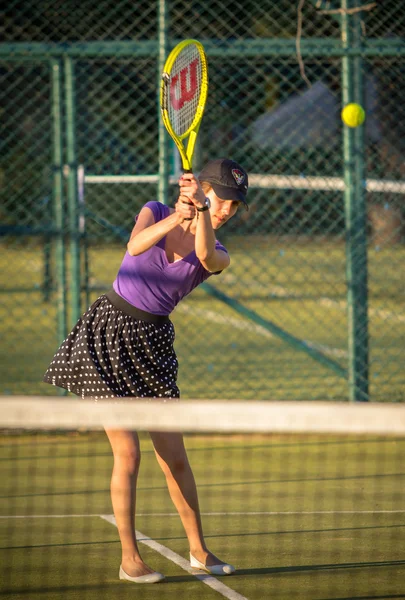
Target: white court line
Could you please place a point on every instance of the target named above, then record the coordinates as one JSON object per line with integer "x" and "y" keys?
{"x": 214, "y": 317}
{"x": 223, "y": 514}
{"x": 282, "y": 292}
{"x": 381, "y": 313}
{"x": 209, "y": 580}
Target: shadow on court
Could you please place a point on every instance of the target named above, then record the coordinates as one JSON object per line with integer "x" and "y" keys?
{"x": 326, "y": 567}
{"x": 385, "y": 597}
{"x": 61, "y": 545}
{"x": 222, "y": 484}
{"x": 174, "y": 579}
{"x": 224, "y": 535}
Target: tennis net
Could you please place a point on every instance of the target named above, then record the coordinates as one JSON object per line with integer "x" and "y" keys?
{"x": 306, "y": 500}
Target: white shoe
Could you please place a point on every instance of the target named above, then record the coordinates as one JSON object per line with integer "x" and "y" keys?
{"x": 154, "y": 577}
{"x": 212, "y": 569}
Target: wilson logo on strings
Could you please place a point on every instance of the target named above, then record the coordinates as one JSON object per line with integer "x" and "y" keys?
{"x": 187, "y": 84}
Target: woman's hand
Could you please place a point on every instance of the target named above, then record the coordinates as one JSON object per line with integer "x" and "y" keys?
{"x": 184, "y": 209}
{"x": 191, "y": 188}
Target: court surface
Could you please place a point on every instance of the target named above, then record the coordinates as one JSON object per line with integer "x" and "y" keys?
{"x": 312, "y": 517}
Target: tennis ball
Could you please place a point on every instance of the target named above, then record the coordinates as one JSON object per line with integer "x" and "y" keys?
{"x": 353, "y": 115}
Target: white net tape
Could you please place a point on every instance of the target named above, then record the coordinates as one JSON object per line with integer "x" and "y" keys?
{"x": 31, "y": 412}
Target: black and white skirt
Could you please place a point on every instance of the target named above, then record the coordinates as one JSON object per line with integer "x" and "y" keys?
{"x": 116, "y": 350}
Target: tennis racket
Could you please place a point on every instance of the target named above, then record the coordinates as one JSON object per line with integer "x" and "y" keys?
{"x": 183, "y": 94}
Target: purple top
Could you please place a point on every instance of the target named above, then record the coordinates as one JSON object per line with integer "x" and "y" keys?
{"x": 149, "y": 282}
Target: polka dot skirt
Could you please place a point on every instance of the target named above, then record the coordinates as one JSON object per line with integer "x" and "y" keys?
{"x": 111, "y": 354}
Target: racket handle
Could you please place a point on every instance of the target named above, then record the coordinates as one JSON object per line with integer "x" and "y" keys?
{"x": 189, "y": 203}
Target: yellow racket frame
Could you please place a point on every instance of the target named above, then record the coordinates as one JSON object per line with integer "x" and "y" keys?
{"x": 185, "y": 154}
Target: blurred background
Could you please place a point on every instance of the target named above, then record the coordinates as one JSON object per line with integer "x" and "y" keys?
{"x": 312, "y": 306}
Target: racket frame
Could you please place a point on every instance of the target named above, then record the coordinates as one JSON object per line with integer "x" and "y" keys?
{"x": 186, "y": 154}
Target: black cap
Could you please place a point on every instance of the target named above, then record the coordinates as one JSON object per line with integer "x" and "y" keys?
{"x": 227, "y": 178}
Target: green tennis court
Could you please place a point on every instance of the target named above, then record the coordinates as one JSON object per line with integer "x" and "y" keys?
{"x": 314, "y": 517}
{"x": 302, "y": 291}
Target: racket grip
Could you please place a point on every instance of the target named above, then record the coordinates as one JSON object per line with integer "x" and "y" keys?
{"x": 189, "y": 203}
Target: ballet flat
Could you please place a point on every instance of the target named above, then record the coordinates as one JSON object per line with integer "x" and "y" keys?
{"x": 212, "y": 569}
{"x": 154, "y": 577}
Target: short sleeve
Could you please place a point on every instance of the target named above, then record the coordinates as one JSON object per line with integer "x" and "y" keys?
{"x": 219, "y": 246}
{"x": 160, "y": 211}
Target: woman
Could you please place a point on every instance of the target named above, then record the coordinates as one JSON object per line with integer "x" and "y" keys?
{"x": 123, "y": 345}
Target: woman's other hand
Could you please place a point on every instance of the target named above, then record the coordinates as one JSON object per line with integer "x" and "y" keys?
{"x": 185, "y": 210}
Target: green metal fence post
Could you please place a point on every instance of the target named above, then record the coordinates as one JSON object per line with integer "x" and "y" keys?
{"x": 355, "y": 210}
{"x": 163, "y": 146}
{"x": 47, "y": 254}
{"x": 72, "y": 190}
{"x": 56, "y": 74}
{"x": 83, "y": 232}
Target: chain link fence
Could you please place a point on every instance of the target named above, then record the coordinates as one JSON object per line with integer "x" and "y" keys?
{"x": 312, "y": 305}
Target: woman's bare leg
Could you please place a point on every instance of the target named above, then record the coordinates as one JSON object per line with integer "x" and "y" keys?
{"x": 127, "y": 457}
{"x": 172, "y": 457}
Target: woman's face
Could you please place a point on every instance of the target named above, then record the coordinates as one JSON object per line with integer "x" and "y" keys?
{"x": 221, "y": 210}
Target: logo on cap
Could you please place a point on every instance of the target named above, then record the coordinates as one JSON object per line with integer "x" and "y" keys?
{"x": 238, "y": 176}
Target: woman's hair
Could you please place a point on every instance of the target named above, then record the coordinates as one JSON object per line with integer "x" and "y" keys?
{"x": 206, "y": 187}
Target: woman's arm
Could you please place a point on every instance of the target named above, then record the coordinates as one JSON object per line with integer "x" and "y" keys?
{"x": 147, "y": 233}
{"x": 213, "y": 260}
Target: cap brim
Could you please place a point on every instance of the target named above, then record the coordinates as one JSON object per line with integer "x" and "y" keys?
{"x": 228, "y": 193}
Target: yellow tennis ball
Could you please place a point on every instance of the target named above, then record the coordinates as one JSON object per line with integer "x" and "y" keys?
{"x": 353, "y": 115}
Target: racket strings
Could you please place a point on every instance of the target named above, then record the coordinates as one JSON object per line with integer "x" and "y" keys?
{"x": 185, "y": 89}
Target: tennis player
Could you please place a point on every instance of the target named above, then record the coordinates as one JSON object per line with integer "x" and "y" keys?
{"x": 123, "y": 345}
